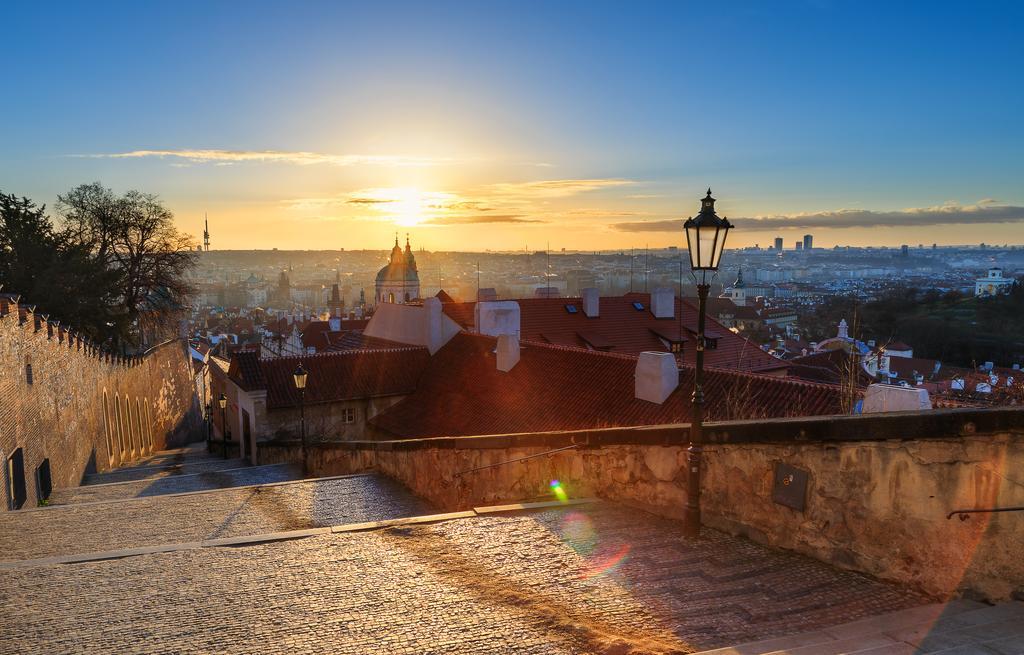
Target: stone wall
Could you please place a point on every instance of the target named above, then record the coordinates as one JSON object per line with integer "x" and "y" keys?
{"x": 879, "y": 487}
{"x": 79, "y": 404}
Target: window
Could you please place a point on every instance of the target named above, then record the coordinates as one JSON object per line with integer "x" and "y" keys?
{"x": 108, "y": 429}
{"x": 638, "y": 306}
{"x": 571, "y": 309}
{"x": 138, "y": 424}
{"x": 119, "y": 424}
{"x": 44, "y": 483}
{"x": 677, "y": 346}
{"x": 348, "y": 415}
{"x": 129, "y": 428}
{"x": 28, "y": 369}
{"x": 16, "y": 493}
{"x": 149, "y": 425}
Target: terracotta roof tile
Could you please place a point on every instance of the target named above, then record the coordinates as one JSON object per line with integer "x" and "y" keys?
{"x": 565, "y": 388}
{"x": 332, "y": 376}
{"x": 628, "y": 330}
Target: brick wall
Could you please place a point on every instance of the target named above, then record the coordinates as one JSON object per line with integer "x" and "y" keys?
{"x": 56, "y": 413}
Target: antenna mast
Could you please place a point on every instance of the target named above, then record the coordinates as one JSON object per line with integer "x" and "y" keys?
{"x": 206, "y": 232}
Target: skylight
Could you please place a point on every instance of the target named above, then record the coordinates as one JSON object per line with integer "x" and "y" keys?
{"x": 638, "y": 306}
{"x": 572, "y": 309}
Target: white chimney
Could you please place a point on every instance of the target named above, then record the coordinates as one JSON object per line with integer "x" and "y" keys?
{"x": 844, "y": 331}
{"x": 497, "y": 317}
{"x": 591, "y": 302}
{"x": 663, "y": 303}
{"x": 894, "y": 398}
{"x": 656, "y": 376}
{"x": 508, "y": 352}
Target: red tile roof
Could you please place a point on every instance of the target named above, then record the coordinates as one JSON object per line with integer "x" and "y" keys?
{"x": 562, "y": 388}
{"x": 332, "y": 376}
{"x": 623, "y": 329}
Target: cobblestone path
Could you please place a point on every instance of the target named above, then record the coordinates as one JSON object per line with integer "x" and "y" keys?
{"x": 589, "y": 579}
{"x": 191, "y": 479}
{"x": 149, "y": 521}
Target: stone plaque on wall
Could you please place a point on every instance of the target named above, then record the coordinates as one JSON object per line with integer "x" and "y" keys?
{"x": 790, "y": 487}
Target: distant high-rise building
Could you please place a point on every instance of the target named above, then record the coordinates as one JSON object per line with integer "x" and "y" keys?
{"x": 799, "y": 245}
{"x": 904, "y": 250}
{"x": 808, "y": 242}
{"x": 778, "y": 243}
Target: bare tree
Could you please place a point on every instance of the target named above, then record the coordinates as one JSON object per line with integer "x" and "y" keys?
{"x": 134, "y": 236}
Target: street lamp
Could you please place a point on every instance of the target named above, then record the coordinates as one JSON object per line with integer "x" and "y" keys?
{"x": 705, "y": 238}
{"x": 300, "y": 376}
{"x": 208, "y": 420}
{"x": 222, "y": 402}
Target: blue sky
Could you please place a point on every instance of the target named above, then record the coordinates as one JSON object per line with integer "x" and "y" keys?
{"x": 439, "y": 117}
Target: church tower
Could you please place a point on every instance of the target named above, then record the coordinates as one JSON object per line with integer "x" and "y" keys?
{"x": 399, "y": 281}
{"x": 738, "y": 294}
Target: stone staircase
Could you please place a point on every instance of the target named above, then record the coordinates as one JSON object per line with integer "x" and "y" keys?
{"x": 179, "y": 470}
{"x": 960, "y": 627}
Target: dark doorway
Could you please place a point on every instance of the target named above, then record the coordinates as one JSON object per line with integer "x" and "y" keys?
{"x": 16, "y": 479}
{"x": 44, "y": 483}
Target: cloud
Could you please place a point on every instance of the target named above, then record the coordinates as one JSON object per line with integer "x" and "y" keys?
{"x": 300, "y": 158}
{"x": 477, "y": 219}
{"x": 368, "y": 201}
{"x": 554, "y": 188}
{"x": 985, "y": 211}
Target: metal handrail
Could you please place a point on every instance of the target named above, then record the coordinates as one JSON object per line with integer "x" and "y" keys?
{"x": 513, "y": 461}
{"x": 964, "y": 514}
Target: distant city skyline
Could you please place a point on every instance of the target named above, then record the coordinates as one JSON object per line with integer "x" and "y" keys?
{"x": 504, "y": 127}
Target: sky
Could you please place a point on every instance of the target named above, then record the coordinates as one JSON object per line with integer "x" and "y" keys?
{"x": 510, "y": 126}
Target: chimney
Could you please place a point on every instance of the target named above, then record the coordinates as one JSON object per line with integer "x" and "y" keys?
{"x": 893, "y": 398}
{"x": 591, "y": 302}
{"x": 844, "y": 331}
{"x": 508, "y": 352}
{"x": 663, "y": 303}
{"x": 497, "y": 318}
{"x": 656, "y": 376}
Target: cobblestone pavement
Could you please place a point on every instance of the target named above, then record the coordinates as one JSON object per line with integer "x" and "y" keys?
{"x": 174, "y": 484}
{"x": 164, "y": 470}
{"x": 596, "y": 579}
{"x": 70, "y": 529}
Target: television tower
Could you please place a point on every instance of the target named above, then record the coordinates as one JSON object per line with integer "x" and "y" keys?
{"x": 206, "y": 233}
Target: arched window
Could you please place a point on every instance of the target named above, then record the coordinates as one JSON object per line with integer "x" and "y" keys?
{"x": 138, "y": 423}
{"x": 128, "y": 427}
{"x": 149, "y": 425}
{"x": 108, "y": 429}
{"x": 119, "y": 424}
{"x": 391, "y": 297}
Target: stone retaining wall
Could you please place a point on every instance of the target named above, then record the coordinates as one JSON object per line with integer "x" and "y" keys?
{"x": 878, "y": 492}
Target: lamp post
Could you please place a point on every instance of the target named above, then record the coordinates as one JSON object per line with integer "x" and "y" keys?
{"x": 300, "y": 376}
{"x": 208, "y": 419}
{"x": 705, "y": 239}
{"x": 222, "y": 402}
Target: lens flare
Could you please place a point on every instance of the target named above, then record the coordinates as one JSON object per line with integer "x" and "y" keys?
{"x": 598, "y": 558}
{"x": 604, "y": 563}
{"x": 559, "y": 491}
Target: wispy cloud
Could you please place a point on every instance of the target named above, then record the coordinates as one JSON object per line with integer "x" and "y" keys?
{"x": 553, "y": 188}
{"x": 300, "y": 158}
{"x": 985, "y": 211}
{"x": 477, "y": 219}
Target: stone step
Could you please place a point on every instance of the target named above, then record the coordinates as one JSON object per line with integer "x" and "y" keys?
{"x": 877, "y": 633}
{"x": 956, "y": 629}
{"x": 903, "y": 619}
{"x": 157, "y": 471}
{"x": 174, "y": 484}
